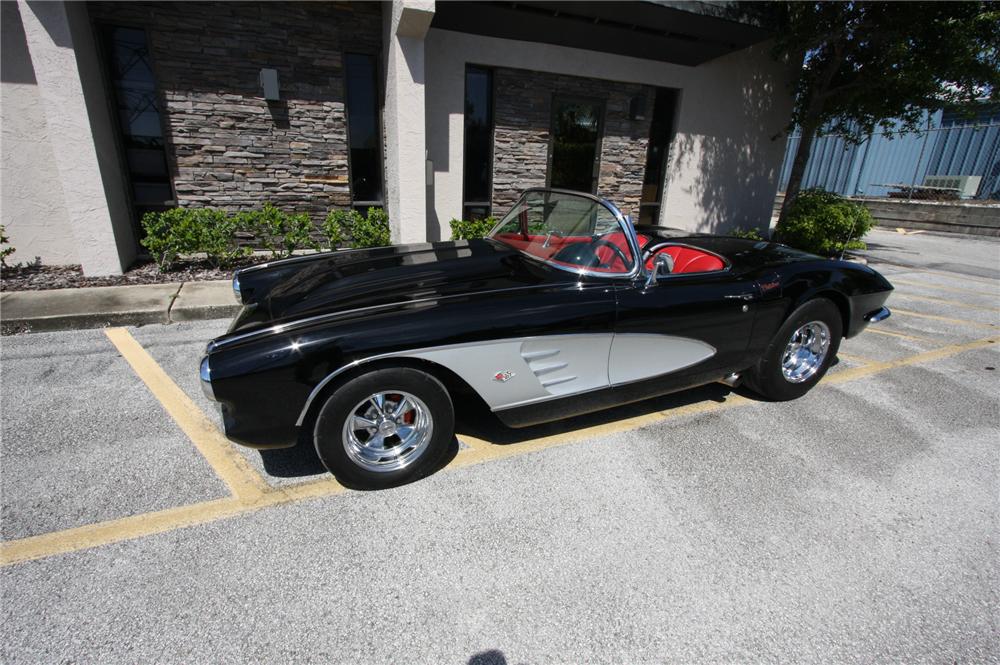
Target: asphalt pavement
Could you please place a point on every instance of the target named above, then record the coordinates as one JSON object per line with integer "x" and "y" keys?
{"x": 857, "y": 524}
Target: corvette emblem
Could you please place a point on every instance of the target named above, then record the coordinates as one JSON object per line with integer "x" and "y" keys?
{"x": 504, "y": 376}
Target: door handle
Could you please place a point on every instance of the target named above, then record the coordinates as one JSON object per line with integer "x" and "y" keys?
{"x": 741, "y": 296}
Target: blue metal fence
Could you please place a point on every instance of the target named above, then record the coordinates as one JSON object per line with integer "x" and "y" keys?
{"x": 948, "y": 144}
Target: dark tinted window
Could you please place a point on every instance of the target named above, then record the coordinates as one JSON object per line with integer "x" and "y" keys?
{"x": 660, "y": 134}
{"x": 137, "y": 104}
{"x": 576, "y": 127}
{"x": 478, "y": 142}
{"x": 363, "y": 136}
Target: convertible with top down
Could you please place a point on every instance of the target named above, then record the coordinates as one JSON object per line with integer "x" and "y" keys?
{"x": 566, "y": 307}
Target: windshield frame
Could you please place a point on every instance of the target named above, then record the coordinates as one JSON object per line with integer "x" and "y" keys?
{"x": 624, "y": 222}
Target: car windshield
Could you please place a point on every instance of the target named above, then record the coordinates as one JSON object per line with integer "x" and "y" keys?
{"x": 568, "y": 231}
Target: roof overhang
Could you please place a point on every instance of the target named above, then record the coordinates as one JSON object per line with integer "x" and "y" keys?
{"x": 683, "y": 33}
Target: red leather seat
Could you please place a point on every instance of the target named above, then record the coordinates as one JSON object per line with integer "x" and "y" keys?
{"x": 688, "y": 259}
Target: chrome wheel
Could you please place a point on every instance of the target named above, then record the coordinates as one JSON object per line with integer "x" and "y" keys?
{"x": 805, "y": 352}
{"x": 387, "y": 431}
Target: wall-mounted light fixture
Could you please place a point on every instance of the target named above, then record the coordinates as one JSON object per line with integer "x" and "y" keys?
{"x": 637, "y": 107}
{"x": 269, "y": 84}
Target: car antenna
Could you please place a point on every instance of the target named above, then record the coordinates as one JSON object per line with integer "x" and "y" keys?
{"x": 847, "y": 242}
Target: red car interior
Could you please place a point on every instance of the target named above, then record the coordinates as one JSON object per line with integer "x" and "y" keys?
{"x": 686, "y": 259}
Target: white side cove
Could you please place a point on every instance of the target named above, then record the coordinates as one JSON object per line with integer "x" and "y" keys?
{"x": 516, "y": 372}
{"x": 637, "y": 356}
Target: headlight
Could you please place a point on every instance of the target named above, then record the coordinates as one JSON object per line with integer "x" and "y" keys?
{"x": 236, "y": 288}
{"x": 205, "y": 373}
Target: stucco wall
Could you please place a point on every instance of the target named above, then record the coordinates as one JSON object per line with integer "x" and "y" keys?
{"x": 723, "y": 162}
{"x": 31, "y": 199}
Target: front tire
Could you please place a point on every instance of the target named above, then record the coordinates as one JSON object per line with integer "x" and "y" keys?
{"x": 800, "y": 353}
{"x": 385, "y": 428}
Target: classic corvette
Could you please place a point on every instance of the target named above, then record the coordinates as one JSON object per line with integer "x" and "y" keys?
{"x": 566, "y": 307}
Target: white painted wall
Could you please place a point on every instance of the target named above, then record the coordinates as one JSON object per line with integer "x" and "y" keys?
{"x": 405, "y": 25}
{"x": 31, "y": 201}
{"x": 66, "y": 67}
{"x": 723, "y": 164}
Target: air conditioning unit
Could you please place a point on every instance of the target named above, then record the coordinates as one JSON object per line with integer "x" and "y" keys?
{"x": 967, "y": 185}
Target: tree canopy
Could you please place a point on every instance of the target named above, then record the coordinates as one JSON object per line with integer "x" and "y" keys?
{"x": 869, "y": 65}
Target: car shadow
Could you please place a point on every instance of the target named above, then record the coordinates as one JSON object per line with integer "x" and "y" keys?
{"x": 473, "y": 418}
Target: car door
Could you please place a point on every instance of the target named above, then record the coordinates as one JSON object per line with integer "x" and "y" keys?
{"x": 682, "y": 329}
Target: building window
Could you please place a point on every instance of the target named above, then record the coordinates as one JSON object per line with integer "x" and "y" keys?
{"x": 364, "y": 138}
{"x": 138, "y": 110}
{"x": 576, "y": 132}
{"x": 660, "y": 134}
{"x": 478, "y": 175}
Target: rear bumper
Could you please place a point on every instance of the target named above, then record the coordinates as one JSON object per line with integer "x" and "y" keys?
{"x": 880, "y": 314}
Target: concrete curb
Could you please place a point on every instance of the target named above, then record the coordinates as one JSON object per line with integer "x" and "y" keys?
{"x": 98, "y": 307}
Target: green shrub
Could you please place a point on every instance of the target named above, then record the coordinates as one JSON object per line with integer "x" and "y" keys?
{"x": 6, "y": 249}
{"x": 169, "y": 234}
{"x": 468, "y": 230}
{"x": 748, "y": 234}
{"x": 276, "y": 231}
{"x": 372, "y": 230}
{"x": 825, "y": 223}
{"x": 336, "y": 228}
{"x": 357, "y": 230}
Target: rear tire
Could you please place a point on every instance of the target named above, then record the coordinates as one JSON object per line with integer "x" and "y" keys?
{"x": 385, "y": 428}
{"x": 800, "y": 353}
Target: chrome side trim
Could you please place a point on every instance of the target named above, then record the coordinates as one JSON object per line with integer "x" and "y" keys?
{"x": 570, "y": 364}
{"x": 881, "y": 314}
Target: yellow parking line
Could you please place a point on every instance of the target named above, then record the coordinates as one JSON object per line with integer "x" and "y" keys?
{"x": 950, "y": 289}
{"x": 891, "y": 333}
{"x": 243, "y": 481}
{"x": 953, "y": 275}
{"x": 950, "y": 302}
{"x": 137, "y": 526}
{"x": 853, "y": 358}
{"x": 946, "y": 319}
{"x": 149, "y": 524}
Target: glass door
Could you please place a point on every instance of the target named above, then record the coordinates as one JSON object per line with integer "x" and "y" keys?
{"x": 576, "y": 137}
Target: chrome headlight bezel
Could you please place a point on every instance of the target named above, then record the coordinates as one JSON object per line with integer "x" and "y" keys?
{"x": 205, "y": 374}
{"x": 236, "y": 288}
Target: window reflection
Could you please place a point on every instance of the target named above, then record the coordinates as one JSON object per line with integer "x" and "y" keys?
{"x": 363, "y": 136}
{"x": 575, "y": 132}
{"x": 138, "y": 108}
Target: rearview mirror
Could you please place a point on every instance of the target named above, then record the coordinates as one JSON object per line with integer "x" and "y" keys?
{"x": 663, "y": 264}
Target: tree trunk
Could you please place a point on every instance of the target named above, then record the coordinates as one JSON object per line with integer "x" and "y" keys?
{"x": 798, "y": 168}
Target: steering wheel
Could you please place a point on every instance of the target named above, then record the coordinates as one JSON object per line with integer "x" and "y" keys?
{"x": 652, "y": 248}
{"x": 601, "y": 242}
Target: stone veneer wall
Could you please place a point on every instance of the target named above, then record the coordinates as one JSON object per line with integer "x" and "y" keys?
{"x": 522, "y": 120}
{"x": 226, "y": 145}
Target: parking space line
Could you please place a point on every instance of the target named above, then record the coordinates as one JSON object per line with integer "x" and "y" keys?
{"x": 936, "y": 287}
{"x": 946, "y": 319}
{"x": 137, "y": 526}
{"x": 241, "y": 479}
{"x": 891, "y": 333}
{"x": 853, "y": 358}
{"x": 952, "y": 275}
{"x": 950, "y": 302}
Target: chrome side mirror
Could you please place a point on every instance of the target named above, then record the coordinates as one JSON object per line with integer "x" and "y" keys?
{"x": 663, "y": 264}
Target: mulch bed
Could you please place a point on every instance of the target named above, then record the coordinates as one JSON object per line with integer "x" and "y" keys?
{"x": 40, "y": 278}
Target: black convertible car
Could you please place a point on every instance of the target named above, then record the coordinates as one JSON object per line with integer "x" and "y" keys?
{"x": 565, "y": 308}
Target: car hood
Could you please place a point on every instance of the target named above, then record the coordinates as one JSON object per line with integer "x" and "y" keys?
{"x": 348, "y": 280}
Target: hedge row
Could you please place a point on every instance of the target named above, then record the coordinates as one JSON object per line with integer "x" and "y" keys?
{"x": 223, "y": 236}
